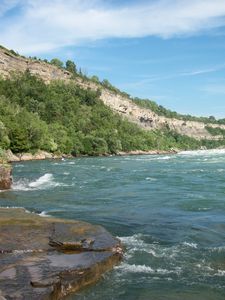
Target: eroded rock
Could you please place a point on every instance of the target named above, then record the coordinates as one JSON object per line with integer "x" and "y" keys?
{"x": 48, "y": 258}
{"x": 5, "y": 176}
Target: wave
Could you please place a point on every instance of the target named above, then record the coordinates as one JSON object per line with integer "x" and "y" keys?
{"x": 44, "y": 214}
{"x": 146, "y": 269}
{"x": 202, "y": 152}
{"x": 44, "y": 182}
{"x": 164, "y": 157}
{"x": 150, "y": 179}
{"x": 191, "y": 245}
{"x": 136, "y": 243}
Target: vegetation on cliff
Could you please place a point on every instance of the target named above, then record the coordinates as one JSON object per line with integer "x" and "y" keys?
{"x": 64, "y": 118}
{"x": 162, "y": 111}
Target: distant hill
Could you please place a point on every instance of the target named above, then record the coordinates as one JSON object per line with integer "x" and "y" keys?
{"x": 49, "y": 107}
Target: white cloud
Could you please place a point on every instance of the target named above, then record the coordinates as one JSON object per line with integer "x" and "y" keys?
{"x": 204, "y": 71}
{"x": 46, "y": 25}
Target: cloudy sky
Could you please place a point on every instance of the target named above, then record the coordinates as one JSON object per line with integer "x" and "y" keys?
{"x": 171, "y": 51}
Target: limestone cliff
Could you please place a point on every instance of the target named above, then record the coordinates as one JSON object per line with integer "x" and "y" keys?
{"x": 145, "y": 118}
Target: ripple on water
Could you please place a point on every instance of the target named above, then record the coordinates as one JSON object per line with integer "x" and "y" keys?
{"x": 168, "y": 210}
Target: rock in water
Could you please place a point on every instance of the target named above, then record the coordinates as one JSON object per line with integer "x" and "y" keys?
{"x": 48, "y": 258}
{"x": 5, "y": 176}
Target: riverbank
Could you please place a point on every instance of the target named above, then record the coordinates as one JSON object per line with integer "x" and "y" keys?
{"x": 41, "y": 155}
{"x": 49, "y": 258}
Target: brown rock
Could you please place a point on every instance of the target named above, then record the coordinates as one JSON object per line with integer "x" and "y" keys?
{"x": 11, "y": 157}
{"x": 5, "y": 176}
{"x": 39, "y": 258}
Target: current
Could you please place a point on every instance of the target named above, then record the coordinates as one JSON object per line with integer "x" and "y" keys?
{"x": 168, "y": 210}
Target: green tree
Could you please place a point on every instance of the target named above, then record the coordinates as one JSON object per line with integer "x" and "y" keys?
{"x": 94, "y": 145}
{"x": 95, "y": 79}
{"x": 57, "y": 62}
{"x": 71, "y": 67}
{"x": 4, "y": 139}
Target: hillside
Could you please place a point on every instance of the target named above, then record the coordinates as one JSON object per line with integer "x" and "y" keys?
{"x": 73, "y": 114}
{"x": 145, "y": 118}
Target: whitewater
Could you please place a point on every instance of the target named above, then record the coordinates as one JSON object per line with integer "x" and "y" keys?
{"x": 168, "y": 211}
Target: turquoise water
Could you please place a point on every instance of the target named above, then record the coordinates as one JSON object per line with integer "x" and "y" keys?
{"x": 169, "y": 211}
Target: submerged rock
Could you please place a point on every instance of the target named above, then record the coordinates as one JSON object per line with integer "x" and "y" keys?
{"x": 5, "y": 176}
{"x": 48, "y": 258}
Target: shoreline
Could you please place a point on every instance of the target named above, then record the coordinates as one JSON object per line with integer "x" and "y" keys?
{"x": 42, "y": 155}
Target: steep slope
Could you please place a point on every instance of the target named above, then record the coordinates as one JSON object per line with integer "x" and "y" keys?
{"x": 145, "y": 118}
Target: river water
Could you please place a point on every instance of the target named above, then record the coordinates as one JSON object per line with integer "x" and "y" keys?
{"x": 169, "y": 211}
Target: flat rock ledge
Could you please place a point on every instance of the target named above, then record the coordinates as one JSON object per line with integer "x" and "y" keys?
{"x": 49, "y": 258}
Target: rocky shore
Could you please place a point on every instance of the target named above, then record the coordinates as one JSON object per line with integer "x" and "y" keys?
{"x": 150, "y": 152}
{"x": 41, "y": 155}
{"x": 48, "y": 258}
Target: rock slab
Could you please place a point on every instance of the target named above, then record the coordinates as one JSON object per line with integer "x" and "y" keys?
{"x": 31, "y": 267}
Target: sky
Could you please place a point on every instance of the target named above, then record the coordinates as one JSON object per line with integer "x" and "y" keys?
{"x": 169, "y": 51}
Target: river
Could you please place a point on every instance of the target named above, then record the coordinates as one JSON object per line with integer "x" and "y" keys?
{"x": 168, "y": 210}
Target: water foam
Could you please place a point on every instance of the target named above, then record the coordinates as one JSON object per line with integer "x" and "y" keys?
{"x": 44, "y": 182}
{"x": 150, "y": 179}
{"x": 191, "y": 245}
{"x": 164, "y": 157}
{"x": 44, "y": 214}
{"x": 146, "y": 269}
{"x": 203, "y": 152}
{"x": 135, "y": 243}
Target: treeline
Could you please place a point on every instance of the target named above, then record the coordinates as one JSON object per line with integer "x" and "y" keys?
{"x": 64, "y": 118}
{"x": 162, "y": 111}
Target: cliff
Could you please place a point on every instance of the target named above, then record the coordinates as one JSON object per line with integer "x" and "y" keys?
{"x": 145, "y": 118}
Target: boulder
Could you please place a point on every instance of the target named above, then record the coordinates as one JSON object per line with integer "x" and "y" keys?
{"x": 5, "y": 176}
{"x": 11, "y": 157}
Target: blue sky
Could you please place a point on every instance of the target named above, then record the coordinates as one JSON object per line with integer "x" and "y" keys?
{"x": 171, "y": 51}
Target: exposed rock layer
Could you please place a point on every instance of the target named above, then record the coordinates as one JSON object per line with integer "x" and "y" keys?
{"x": 5, "y": 176}
{"x": 31, "y": 267}
{"x": 145, "y": 118}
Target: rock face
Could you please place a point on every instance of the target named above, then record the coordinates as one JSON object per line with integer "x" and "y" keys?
{"x": 5, "y": 176}
{"x": 11, "y": 63}
{"x": 48, "y": 258}
{"x": 40, "y": 155}
{"x": 145, "y": 118}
